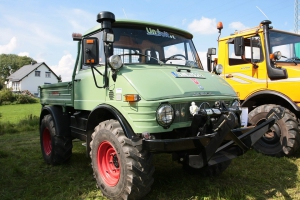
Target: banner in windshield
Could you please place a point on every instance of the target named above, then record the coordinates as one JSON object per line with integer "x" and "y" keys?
{"x": 157, "y": 32}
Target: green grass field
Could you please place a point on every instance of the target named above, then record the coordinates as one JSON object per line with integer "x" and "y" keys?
{"x": 14, "y": 113}
{"x": 24, "y": 175}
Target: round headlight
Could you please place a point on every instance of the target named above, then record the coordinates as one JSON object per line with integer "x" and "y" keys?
{"x": 219, "y": 69}
{"x": 115, "y": 62}
{"x": 165, "y": 115}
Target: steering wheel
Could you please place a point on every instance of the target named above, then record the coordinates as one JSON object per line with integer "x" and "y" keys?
{"x": 173, "y": 57}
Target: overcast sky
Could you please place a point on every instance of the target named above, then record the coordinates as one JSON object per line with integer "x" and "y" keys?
{"x": 43, "y": 29}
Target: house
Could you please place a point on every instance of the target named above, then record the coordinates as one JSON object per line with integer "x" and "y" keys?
{"x": 30, "y": 77}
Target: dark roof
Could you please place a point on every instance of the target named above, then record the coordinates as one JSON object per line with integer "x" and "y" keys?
{"x": 25, "y": 70}
{"x": 137, "y": 23}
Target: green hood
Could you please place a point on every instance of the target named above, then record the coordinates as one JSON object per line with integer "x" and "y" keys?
{"x": 160, "y": 82}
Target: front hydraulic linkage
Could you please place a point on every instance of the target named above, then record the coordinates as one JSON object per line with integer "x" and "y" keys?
{"x": 242, "y": 139}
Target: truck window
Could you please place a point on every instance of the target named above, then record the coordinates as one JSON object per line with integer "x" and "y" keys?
{"x": 152, "y": 56}
{"x": 288, "y": 44}
{"x": 253, "y": 51}
{"x": 126, "y": 55}
{"x": 155, "y": 45}
{"x": 182, "y": 50}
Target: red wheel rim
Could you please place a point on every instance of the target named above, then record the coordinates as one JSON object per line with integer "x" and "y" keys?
{"x": 108, "y": 163}
{"x": 47, "y": 141}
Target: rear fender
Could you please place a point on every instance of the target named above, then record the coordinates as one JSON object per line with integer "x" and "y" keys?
{"x": 61, "y": 120}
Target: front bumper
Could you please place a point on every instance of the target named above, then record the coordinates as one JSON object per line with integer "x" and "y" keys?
{"x": 216, "y": 148}
{"x": 248, "y": 136}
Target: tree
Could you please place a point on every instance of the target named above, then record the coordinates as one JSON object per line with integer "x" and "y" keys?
{"x": 9, "y": 63}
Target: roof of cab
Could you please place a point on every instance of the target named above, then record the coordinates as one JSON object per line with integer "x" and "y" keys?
{"x": 136, "y": 23}
{"x": 244, "y": 32}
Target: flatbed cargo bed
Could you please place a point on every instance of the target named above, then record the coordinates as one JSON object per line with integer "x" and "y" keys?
{"x": 56, "y": 94}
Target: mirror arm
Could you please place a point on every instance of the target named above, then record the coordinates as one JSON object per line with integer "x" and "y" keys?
{"x": 95, "y": 81}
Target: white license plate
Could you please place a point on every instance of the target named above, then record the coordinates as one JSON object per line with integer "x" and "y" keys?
{"x": 244, "y": 116}
{"x": 187, "y": 75}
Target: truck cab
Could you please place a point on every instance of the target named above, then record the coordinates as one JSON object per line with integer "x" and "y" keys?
{"x": 261, "y": 64}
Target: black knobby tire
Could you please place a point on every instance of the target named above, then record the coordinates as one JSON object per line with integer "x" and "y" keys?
{"x": 282, "y": 139}
{"x": 55, "y": 149}
{"x": 122, "y": 171}
{"x": 207, "y": 171}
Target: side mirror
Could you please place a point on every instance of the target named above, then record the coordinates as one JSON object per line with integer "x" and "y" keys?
{"x": 210, "y": 52}
{"x": 239, "y": 46}
{"x": 90, "y": 51}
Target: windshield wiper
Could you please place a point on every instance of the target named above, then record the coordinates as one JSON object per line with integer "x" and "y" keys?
{"x": 292, "y": 59}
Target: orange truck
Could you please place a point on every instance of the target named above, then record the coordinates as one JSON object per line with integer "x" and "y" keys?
{"x": 263, "y": 67}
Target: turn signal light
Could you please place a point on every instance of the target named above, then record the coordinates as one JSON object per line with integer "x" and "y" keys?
{"x": 90, "y": 41}
{"x": 90, "y": 61}
{"x": 132, "y": 97}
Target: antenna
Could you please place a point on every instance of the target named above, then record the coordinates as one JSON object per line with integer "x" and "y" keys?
{"x": 296, "y": 18}
{"x": 262, "y": 12}
{"x": 124, "y": 13}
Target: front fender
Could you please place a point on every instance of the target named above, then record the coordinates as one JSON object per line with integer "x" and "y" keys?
{"x": 262, "y": 93}
{"x": 104, "y": 112}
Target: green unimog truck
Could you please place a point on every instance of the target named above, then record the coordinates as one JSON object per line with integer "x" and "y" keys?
{"x": 138, "y": 89}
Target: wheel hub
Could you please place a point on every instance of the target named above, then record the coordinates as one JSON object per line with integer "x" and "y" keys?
{"x": 115, "y": 161}
{"x": 108, "y": 163}
{"x": 269, "y": 135}
{"x": 47, "y": 146}
{"x": 273, "y": 135}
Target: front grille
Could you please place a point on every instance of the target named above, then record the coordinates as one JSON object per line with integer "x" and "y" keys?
{"x": 111, "y": 95}
{"x": 186, "y": 106}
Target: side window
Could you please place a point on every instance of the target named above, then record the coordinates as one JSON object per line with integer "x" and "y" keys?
{"x": 47, "y": 74}
{"x": 37, "y": 73}
{"x": 252, "y": 53}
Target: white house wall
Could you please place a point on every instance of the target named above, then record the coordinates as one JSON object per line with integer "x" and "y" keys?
{"x": 31, "y": 82}
{"x": 9, "y": 84}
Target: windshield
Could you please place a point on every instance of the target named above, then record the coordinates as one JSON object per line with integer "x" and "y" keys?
{"x": 287, "y": 44}
{"x": 154, "y": 46}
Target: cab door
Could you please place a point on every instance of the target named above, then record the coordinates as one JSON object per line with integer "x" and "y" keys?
{"x": 87, "y": 87}
{"x": 245, "y": 69}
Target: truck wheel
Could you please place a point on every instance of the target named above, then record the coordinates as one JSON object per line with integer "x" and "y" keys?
{"x": 121, "y": 170}
{"x": 207, "y": 171}
{"x": 282, "y": 139}
{"x": 55, "y": 149}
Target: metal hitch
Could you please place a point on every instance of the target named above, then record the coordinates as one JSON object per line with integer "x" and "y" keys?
{"x": 242, "y": 140}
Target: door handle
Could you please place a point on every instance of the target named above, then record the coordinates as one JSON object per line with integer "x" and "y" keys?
{"x": 179, "y": 70}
